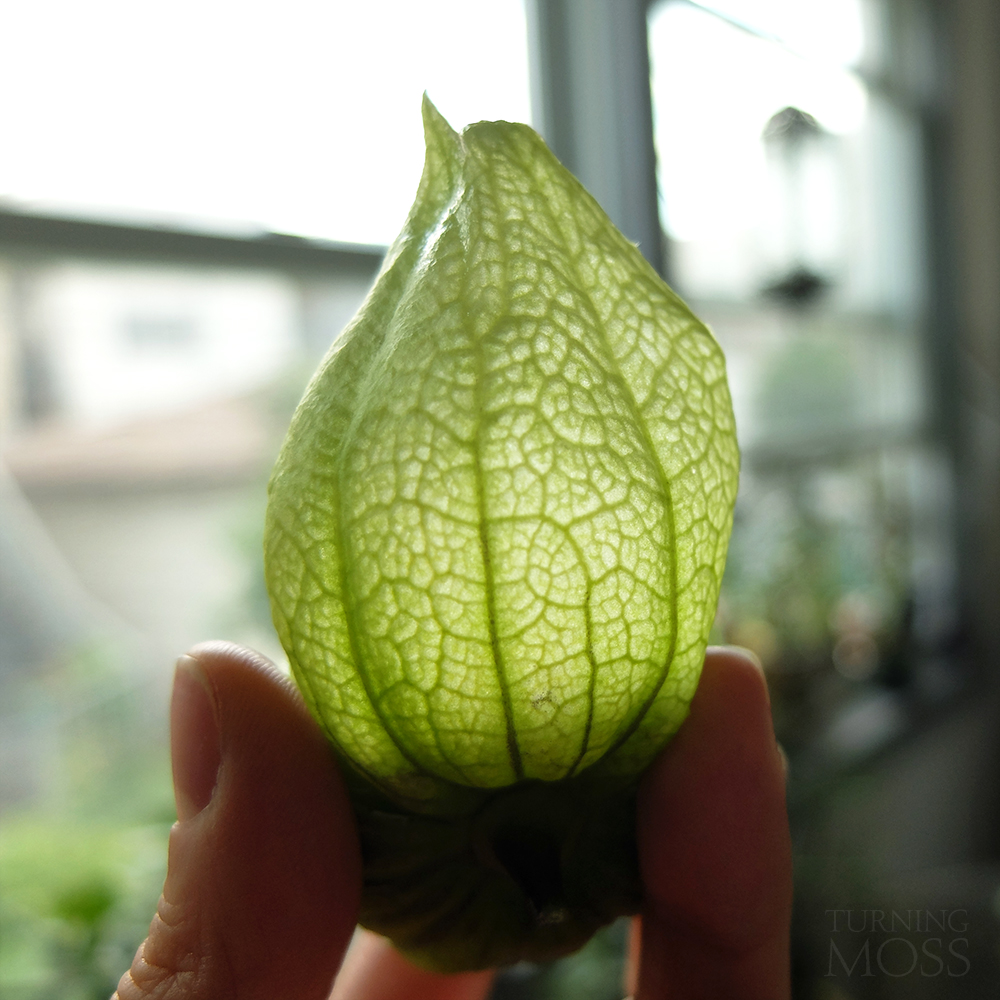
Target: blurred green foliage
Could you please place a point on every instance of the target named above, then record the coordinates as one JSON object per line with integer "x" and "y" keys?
{"x": 75, "y": 901}
{"x": 83, "y": 855}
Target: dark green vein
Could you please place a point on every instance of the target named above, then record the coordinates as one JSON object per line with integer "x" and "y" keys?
{"x": 491, "y": 612}
{"x": 353, "y": 627}
{"x": 664, "y": 483}
{"x": 513, "y": 750}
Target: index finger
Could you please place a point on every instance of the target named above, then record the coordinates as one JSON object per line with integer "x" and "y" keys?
{"x": 714, "y": 846}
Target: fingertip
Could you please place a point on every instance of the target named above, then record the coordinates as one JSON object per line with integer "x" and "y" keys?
{"x": 219, "y": 654}
{"x": 731, "y": 705}
{"x": 243, "y": 671}
{"x": 735, "y": 652}
{"x": 733, "y": 665}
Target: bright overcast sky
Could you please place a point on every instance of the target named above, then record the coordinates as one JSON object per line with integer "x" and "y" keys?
{"x": 299, "y": 117}
{"x": 708, "y": 135}
{"x": 304, "y": 116}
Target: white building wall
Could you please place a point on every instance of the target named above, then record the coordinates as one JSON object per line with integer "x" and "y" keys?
{"x": 127, "y": 342}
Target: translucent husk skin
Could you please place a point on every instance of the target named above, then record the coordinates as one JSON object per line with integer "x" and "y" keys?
{"x": 494, "y": 541}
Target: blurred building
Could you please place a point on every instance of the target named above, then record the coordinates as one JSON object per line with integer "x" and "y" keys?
{"x": 144, "y": 401}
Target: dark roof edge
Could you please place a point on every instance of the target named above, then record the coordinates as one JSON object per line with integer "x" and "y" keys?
{"x": 23, "y": 232}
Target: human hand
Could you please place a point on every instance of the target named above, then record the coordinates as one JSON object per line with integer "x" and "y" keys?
{"x": 264, "y": 872}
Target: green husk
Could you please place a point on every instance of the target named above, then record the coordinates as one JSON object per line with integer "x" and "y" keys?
{"x": 494, "y": 542}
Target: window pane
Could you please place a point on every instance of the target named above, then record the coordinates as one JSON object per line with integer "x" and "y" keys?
{"x": 300, "y": 118}
{"x": 143, "y": 400}
{"x": 791, "y": 196}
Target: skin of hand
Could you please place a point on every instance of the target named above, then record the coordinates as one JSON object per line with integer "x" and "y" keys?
{"x": 264, "y": 872}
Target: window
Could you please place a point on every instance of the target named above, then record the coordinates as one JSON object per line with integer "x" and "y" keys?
{"x": 155, "y": 335}
{"x": 233, "y": 116}
{"x": 792, "y": 199}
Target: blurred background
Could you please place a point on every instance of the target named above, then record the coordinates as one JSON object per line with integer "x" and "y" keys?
{"x": 195, "y": 197}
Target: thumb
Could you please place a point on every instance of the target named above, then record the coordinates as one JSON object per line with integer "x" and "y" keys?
{"x": 264, "y": 874}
